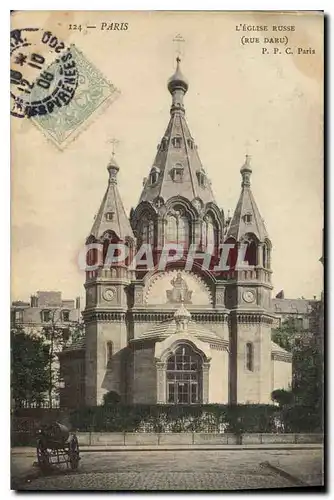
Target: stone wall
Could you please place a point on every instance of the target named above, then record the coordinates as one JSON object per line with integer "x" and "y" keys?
{"x": 191, "y": 438}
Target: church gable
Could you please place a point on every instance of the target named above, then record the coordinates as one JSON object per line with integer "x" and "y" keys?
{"x": 174, "y": 287}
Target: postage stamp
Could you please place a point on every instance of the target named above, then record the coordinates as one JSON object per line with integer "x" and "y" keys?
{"x": 62, "y": 97}
{"x": 38, "y": 88}
{"x": 94, "y": 92}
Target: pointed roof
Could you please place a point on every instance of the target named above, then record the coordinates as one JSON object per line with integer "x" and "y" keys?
{"x": 177, "y": 164}
{"x": 246, "y": 218}
{"x": 111, "y": 215}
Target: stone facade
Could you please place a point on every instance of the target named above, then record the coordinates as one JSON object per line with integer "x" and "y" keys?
{"x": 189, "y": 331}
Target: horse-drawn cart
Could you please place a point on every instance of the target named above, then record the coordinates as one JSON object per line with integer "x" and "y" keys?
{"x": 56, "y": 445}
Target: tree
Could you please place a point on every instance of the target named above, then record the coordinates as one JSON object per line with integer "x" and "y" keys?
{"x": 282, "y": 397}
{"x": 307, "y": 358}
{"x": 111, "y": 398}
{"x": 285, "y": 335}
{"x": 29, "y": 367}
{"x": 57, "y": 338}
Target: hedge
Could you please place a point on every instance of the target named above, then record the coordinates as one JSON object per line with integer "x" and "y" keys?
{"x": 196, "y": 418}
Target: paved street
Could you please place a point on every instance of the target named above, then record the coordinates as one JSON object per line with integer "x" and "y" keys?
{"x": 176, "y": 470}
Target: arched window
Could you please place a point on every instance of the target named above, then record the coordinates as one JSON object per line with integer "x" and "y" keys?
{"x": 154, "y": 175}
{"x": 184, "y": 376}
{"x": 109, "y": 352}
{"x": 183, "y": 231}
{"x": 209, "y": 232}
{"x": 147, "y": 232}
{"x": 232, "y": 253}
{"x": 171, "y": 229}
{"x": 177, "y": 230}
{"x": 249, "y": 357}
{"x": 251, "y": 253}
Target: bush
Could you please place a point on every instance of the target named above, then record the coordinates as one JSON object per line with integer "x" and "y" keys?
{"x": 176, "y": 418}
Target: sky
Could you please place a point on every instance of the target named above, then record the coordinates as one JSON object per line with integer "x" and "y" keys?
{"x": 240, "y": 101}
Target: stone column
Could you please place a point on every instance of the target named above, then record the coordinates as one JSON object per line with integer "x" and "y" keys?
{"x": 160, "y": 227}
{"x": 260, "y": 255}
{"x": 205, "y": 372}
{"x": 161, "y": 382}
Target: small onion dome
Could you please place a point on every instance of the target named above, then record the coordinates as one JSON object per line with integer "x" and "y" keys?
{"x": 177, "y": 81}
{"x": 182, "y": 317}
{"x": 113, "y": 163}
{"x": 246, "y": 166}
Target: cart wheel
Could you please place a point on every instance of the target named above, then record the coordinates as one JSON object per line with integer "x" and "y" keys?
{"x": 42, "y": 455}
{"x": 74, "y": 452}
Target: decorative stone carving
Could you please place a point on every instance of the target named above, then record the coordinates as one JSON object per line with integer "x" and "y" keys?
{"x": 197, "y": 203}
{"x": 220, "y": 297}
{"x": 248, "y": 296}
{"x": 139, "y": 296}
{"x": 109, "y": 294}
{"x": 180, "y": 292}
{"x": 185, "y": 285}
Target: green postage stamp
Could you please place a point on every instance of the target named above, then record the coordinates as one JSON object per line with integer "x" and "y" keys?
{"x": 94, "y": 93}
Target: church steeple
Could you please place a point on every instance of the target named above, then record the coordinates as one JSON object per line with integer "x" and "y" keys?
{"x": 111, "y": 216}
{"x": 177, "y": 169}
{"x": 246, "y": 218}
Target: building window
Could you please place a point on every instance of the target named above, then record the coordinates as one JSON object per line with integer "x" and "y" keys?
{"x": 209, "y": 232}
{"x": 171, "y": 229}
{"x": 177, "y": 172}
{"x": 164, "y": 143}
{"x": 46, "y": 316}
{"x": 184, "y": 376}
{"x": 251, "y": 253}
{"x": 177, "y": 230}
{"x": 201, "y": 177}
{"x": 250, "y": 357}
{"x": 109, "y": 351}
{"x": 190, "y": 143}
{"x": 154, "y": 175}
{"x": 110, "y": 216}
{"x": 18, "y": 317}
{"x": 248, "y": 218}
{"x": 147, "y": 233}
{"x": 66, "y": 315}
{"x": 299, "y": 323}
{"x": 177, "y": 141}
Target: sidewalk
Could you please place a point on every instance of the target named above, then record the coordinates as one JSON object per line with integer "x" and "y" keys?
{"x": 29, "y": 451}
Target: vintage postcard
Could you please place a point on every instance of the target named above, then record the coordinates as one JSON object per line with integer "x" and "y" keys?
{"x": 167, "y": 295}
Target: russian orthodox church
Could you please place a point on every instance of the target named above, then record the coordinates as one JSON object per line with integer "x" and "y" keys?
{"x": 179, "y": 334}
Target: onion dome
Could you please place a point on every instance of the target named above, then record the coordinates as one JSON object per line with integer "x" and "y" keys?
{"x": 182, "y": 317}
{"x": 246, "y": 171}
{"x": 177, "y": 81}
{"x": 113, "y": 168}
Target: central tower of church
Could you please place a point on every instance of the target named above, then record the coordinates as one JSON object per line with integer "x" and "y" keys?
{"x": 188, "y": 332}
